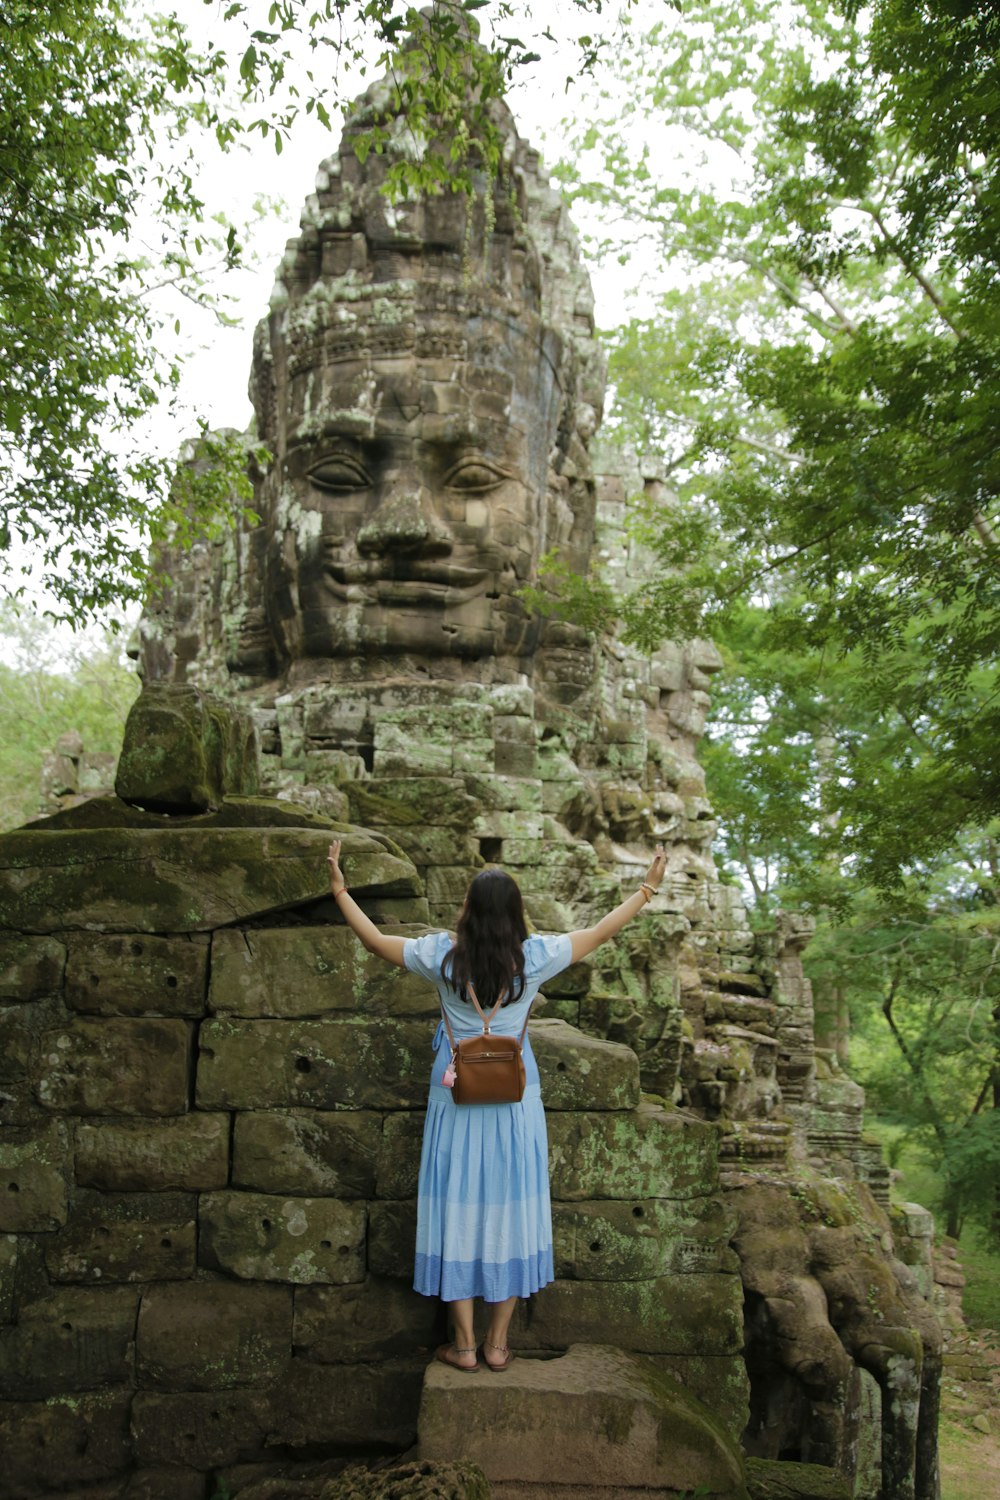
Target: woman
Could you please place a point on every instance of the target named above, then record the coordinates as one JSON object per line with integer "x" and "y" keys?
{"x": 484, "y": 1223}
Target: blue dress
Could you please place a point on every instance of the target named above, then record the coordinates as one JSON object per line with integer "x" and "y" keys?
{"x": 484, "y": 1221}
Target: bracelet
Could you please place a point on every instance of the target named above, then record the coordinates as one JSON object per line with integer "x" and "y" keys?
{"x": 649, "y": 889}
{"x": 343, "y": 888}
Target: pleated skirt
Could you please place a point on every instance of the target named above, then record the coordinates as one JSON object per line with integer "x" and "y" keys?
{"x": 484, "y": 1219}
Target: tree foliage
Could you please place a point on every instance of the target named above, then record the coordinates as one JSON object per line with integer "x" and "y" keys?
{"x": 825, "y": 386}
{"x": 47, "y": 690}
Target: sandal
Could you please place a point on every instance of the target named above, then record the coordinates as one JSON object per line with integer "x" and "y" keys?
{"x": 444, "y": 1354}
{"x": 508, "y": 1355}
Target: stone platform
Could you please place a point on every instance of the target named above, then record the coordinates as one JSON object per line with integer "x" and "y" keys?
{"x": 593, "y": 1424}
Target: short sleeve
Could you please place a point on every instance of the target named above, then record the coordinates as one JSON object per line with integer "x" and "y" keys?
{"x": 546, "y": 955}
{"x": 423, "y": 955}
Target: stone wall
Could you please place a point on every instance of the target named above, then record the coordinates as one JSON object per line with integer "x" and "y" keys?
{"x": 212, "y": 1107}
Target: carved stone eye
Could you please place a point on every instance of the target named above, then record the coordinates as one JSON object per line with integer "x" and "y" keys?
{"x": 340, "y": 474}
{"x": 473, "y": 477}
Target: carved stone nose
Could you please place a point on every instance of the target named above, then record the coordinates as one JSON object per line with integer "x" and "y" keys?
{"x": 403, "y": 522}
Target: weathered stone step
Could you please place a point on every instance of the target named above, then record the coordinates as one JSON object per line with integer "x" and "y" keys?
{"x": 594, "y": 1422}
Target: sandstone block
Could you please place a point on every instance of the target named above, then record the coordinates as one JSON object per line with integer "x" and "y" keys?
{"x": 136, "y": 975}
{"x": 513, "y": 759}
{"x": 315, "y": 1152}
{"x": 613, "y": 1241}
{"x": 8, "y": 1275}
{"x": 508, "y": 825}
{"x": 476, "y": 756}
{"x": 770, "y": 1480}
{"x": 581, "y": 1072}
{"x": 33, "y": 1167}
{"x": 44, "y": 1442}
{"x": 30, "y": 967}
{"x": 447, "y": 884}
{"x": 416, "y": 1481}
{"x": 354, "y": 1064}
{"x": 392, "y": 1238}
{"x": 718, "y": 1380}
{"x": 688, "y": 1314}
{"x": 332, "y": 1404}
{"x": 138, "y": 1237}
{"x": 414, "y": 801}
{"x": 260, "y": 1237}
{"x": 399, "y": 1155}
{"x": 649, "y": 1153}
{"x": 187, "y": 1152}
{"x": 183, "y": 750}
{"x": 157, "y": 1484}
{"x": 70, "y": 1340}
{"x": 308, "y": 971}
{"x": 176, "y": 880}
{"x": 201, "y": 1429}
{"x": 374, "y": 1320}
{"x": 598, "y": 1417}
{"x": 114, "y": 1067}
{"x": 438, "y": 846}
{"x": 396, "y": 756}
{"x": 505, "y": 793}
{"x": 209, "y": 1336}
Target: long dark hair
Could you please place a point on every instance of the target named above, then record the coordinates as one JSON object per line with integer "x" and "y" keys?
{"x": 489, "y": 938}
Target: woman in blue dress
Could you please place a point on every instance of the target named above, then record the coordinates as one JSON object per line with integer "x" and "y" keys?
{"x": 484, "y": 1222}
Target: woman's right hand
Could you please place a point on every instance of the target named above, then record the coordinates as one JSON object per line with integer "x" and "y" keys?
{"x": 657, "y": 870}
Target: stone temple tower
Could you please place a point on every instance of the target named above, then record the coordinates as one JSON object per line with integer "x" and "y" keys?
{"x": 211, "y": 1098}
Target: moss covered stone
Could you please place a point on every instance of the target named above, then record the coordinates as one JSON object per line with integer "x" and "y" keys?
{"x": 72, "y": 1339}
{"x": 412, "y": 1481}
{"x": 581, "y": 1072}
{"x": 190, "y": 1151}
{"x": 269, "y": 1237}
{"x": 209, "y": 1336}
{"x": 652, "y": 1153}
{"x": 769, "y": 1480}
{"x": 43, "y": 1442}
{"x": 296, "y": 971}
{"x": 34, "y": 1165}
{"x": 30, "y": 967}
{"x": 353, "y": 1063}
{"x": 310, "y": 1151}
{"x": 178, "y": 880}
{"x": 701, "y": 1314}
{"x": 597, "y": 1417}
{"x": 124, "y": 1238}
{"x": 373, "y": 1319}
{"x": 184, "y": 749}
{"x": 137, "y": 975}
{"x": 123, "y": 1066}
{"x": 640, "y": 1240}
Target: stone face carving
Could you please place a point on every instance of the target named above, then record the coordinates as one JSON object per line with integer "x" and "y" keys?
{"x": 179, "y": 994}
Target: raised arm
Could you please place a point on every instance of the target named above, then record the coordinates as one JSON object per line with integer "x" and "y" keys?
{"x": 374, "y": 939}
{"x": 586, "y": 939}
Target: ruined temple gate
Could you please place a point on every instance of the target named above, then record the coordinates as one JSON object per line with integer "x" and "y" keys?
{"x": 212, "y": 1097}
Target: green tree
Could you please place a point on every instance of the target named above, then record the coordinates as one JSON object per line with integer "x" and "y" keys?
{"x": 924, "y": 996}
{"x": 825, "y": 386}
{"x": 46, "y": 690}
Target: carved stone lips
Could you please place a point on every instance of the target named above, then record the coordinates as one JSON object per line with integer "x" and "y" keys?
{"x": 427, "y": 583}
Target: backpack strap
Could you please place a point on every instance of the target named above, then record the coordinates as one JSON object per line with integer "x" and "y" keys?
{"x": 486, "y": 1019}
